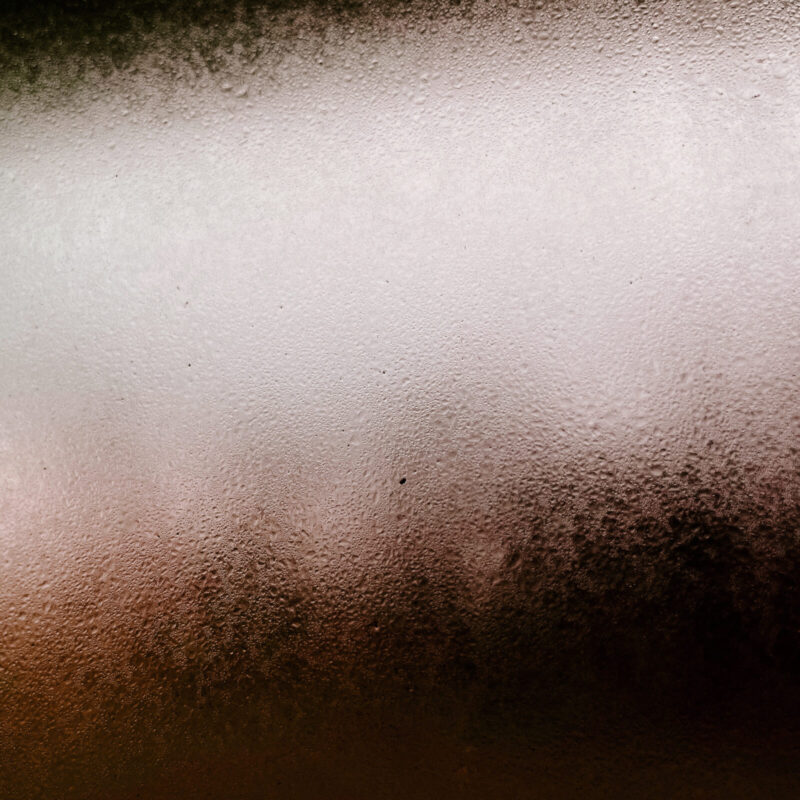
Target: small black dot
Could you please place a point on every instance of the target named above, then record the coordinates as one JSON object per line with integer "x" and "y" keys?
{"x": 402, "y": 480}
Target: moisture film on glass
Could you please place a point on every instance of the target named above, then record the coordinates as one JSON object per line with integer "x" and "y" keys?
{"x": 399, "y": 400}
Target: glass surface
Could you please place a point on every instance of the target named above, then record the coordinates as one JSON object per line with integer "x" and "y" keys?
{"x": 399, "y": 401}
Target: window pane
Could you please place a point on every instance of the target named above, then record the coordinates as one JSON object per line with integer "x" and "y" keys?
{"x": 399, "y": 401}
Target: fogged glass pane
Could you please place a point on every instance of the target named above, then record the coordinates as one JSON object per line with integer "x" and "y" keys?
{"x": 399, "y": 401}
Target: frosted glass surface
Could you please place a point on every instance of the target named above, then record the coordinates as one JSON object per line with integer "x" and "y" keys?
{"x": 399, "y": 402}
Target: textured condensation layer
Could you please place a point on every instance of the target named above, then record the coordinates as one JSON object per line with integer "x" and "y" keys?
{"x": 399, "y": 402}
